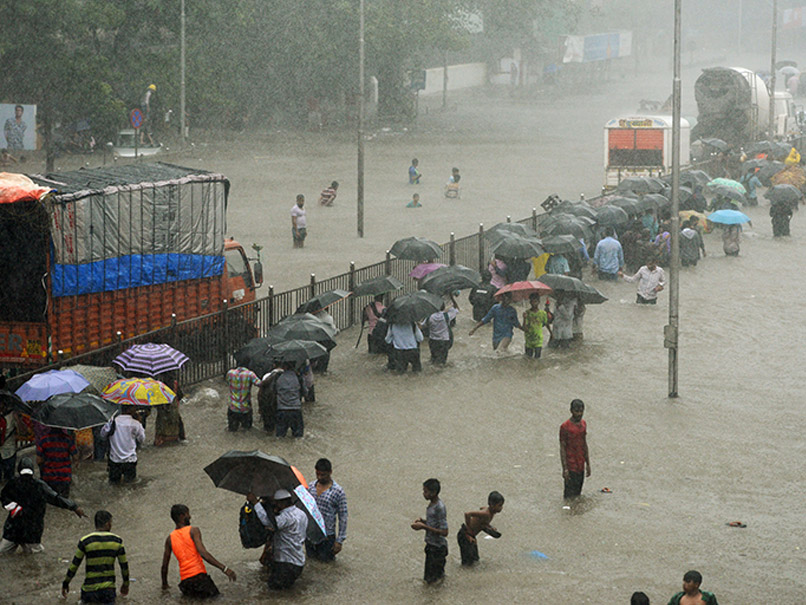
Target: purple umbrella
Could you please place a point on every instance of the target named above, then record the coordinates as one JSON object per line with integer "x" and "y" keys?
{"x": 42, "y": 386}
{"x": 424, "y": 269}
{"x": 150, "y": 359}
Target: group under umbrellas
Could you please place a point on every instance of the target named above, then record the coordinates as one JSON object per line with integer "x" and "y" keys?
{"x": 65, "y": 399}
{"x": 294, "y": 339}
{"x": 261, "y": 474}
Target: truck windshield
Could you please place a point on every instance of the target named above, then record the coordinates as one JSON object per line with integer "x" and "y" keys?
{"x": 237, "y": 267}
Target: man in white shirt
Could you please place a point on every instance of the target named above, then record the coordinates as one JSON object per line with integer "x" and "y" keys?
{"x": 651, "y": 280}
{"x": 125, "y": 433}
{"x": 299, "y": 222}
{"x": 405, "y": 338}
{"x": 287, "y": 544}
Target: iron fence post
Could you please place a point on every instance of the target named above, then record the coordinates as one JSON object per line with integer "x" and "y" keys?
{"x": 481, "y": 247}
{"x": 452, "y": 250}
{"x": 313, "y": 285}
{"x": 271, "y": 307}
{"x": 534, "y": 219}
{"x": 509, "y": 218}
{"x": 388, "y": 267}
{"x": 351, "y": 300}
{"x": 225, "y": 336}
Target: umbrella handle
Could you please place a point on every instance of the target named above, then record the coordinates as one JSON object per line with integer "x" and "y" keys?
{"x": 360, "y": 334}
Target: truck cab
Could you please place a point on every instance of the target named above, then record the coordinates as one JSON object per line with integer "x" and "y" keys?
{"x": 242, "y": 280}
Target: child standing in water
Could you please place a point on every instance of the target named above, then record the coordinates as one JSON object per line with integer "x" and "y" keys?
{"x": 534, "y": 318}
{"x": 477, "y": 521}
{"x": 435, "y": 525}
{"x": 415, "y": 201}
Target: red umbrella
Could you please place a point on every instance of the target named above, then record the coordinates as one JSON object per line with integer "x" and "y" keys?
{"x": 522, "y": 290}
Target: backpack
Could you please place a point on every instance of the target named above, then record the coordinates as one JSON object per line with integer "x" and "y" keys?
{"x": 253, "y": 532}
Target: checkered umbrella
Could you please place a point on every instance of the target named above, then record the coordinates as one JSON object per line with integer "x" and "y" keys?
{"x": 150, "y": 359}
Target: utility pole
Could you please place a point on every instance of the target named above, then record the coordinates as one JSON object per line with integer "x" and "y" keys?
{"x": 182, "y": 74}
{"x": 671, "y": 331}
{"x": 360, "y": 188}
{"x": 772, "y": 68}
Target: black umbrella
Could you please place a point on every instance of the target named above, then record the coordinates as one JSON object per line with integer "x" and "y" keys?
{"x": 575, "y": 287}
{"x": 302, "y": 326}
{"x": 717, "y": 144}
{"x": 298, "y": 351}
{"x": 561, "y": 244}
{"x": 323, "y": 300}
{"x": 447, "y": 279}
{"x": 252, "y": 472}
{"x": 761, "y": 147}
{"x": 263, "y": 474}
{"x": 256, "y": 355}
{"x": 784, "y": 194}
{"x": 494, "y": 233}
{"x": 652, "y": 201}
{"x": 413, "y": 307}
{"x": 378, "y": 285}
{"x": 728, "y": 192}
{"x": 75, "y": 411}
{"x": 751, "y": 165}
{"x": 12, "y": 401}
{"x": 765, "y": 173}
{"x": 692, "y": 178}
{"x": 641, "y": 184}
{"x": 629, "y": 205}
{"x": 576, "y": 208}
{"x": 685, "y": 193}
{"x": 514, "y": 246}
{"x": 612, "y": 216}
{"x": 416, "y": 248}
{"x": 566, "y": 225}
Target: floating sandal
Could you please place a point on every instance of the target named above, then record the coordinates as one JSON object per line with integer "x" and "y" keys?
{"x": 736, "y": 524}
{"x": 606, "y": 490}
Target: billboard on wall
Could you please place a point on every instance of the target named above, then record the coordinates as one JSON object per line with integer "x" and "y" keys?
{"x": 17, "y": 127}
{"x": 793, "y": 18}
{"x": 596, "y": 47}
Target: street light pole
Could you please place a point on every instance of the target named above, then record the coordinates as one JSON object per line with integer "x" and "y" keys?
{"x": 360, "y": 187}
{"x": 670, "y": 332}
{"x": 772, "y": 68}
{"x": 182, "y": 75}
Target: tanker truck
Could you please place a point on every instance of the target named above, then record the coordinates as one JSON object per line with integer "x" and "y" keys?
{"x": 91, "y": 256}
{"x": 734, "y": 105}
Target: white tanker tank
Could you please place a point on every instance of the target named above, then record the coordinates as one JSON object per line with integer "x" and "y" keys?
{"x": 734, "y": 105}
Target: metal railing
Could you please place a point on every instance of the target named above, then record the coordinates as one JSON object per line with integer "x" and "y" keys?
{"x": 210, "y": 340}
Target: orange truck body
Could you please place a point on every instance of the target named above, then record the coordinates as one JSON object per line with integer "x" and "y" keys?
{"x": 77, "y": 323}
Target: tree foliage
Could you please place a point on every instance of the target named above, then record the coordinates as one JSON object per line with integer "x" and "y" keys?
{"x": 249, "y": 62}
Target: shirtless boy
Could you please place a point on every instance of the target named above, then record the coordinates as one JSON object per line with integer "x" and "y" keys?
{"x": 475, "y": 522}
{"x": 692, "y": 595}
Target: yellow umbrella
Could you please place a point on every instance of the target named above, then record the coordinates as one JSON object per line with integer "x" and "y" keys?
{"x": 703, "y": 220}
{"x": 138, "y": 391}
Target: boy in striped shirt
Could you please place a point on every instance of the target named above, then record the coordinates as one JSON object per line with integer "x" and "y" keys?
{"x": 101, "y": 548}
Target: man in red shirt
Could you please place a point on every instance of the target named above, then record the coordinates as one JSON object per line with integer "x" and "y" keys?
{"x": 574, "y": 450}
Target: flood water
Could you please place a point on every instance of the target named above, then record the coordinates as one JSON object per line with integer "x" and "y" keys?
{"x": 728, "y": 449}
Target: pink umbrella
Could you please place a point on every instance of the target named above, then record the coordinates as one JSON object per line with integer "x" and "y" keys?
{"x": 424, "y": 269}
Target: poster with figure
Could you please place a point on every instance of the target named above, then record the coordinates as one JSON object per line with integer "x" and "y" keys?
{"x": 18, "y": 127}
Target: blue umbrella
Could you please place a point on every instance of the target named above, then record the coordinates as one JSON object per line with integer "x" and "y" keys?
{"x": 54, "y": 382}
{"x": 728, "y": 217}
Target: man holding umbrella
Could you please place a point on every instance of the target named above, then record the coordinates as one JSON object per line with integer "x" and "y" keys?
{"x": 287, "y": 544}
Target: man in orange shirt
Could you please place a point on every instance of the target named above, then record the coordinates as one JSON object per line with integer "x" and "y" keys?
{"x": 185, "y": 542}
